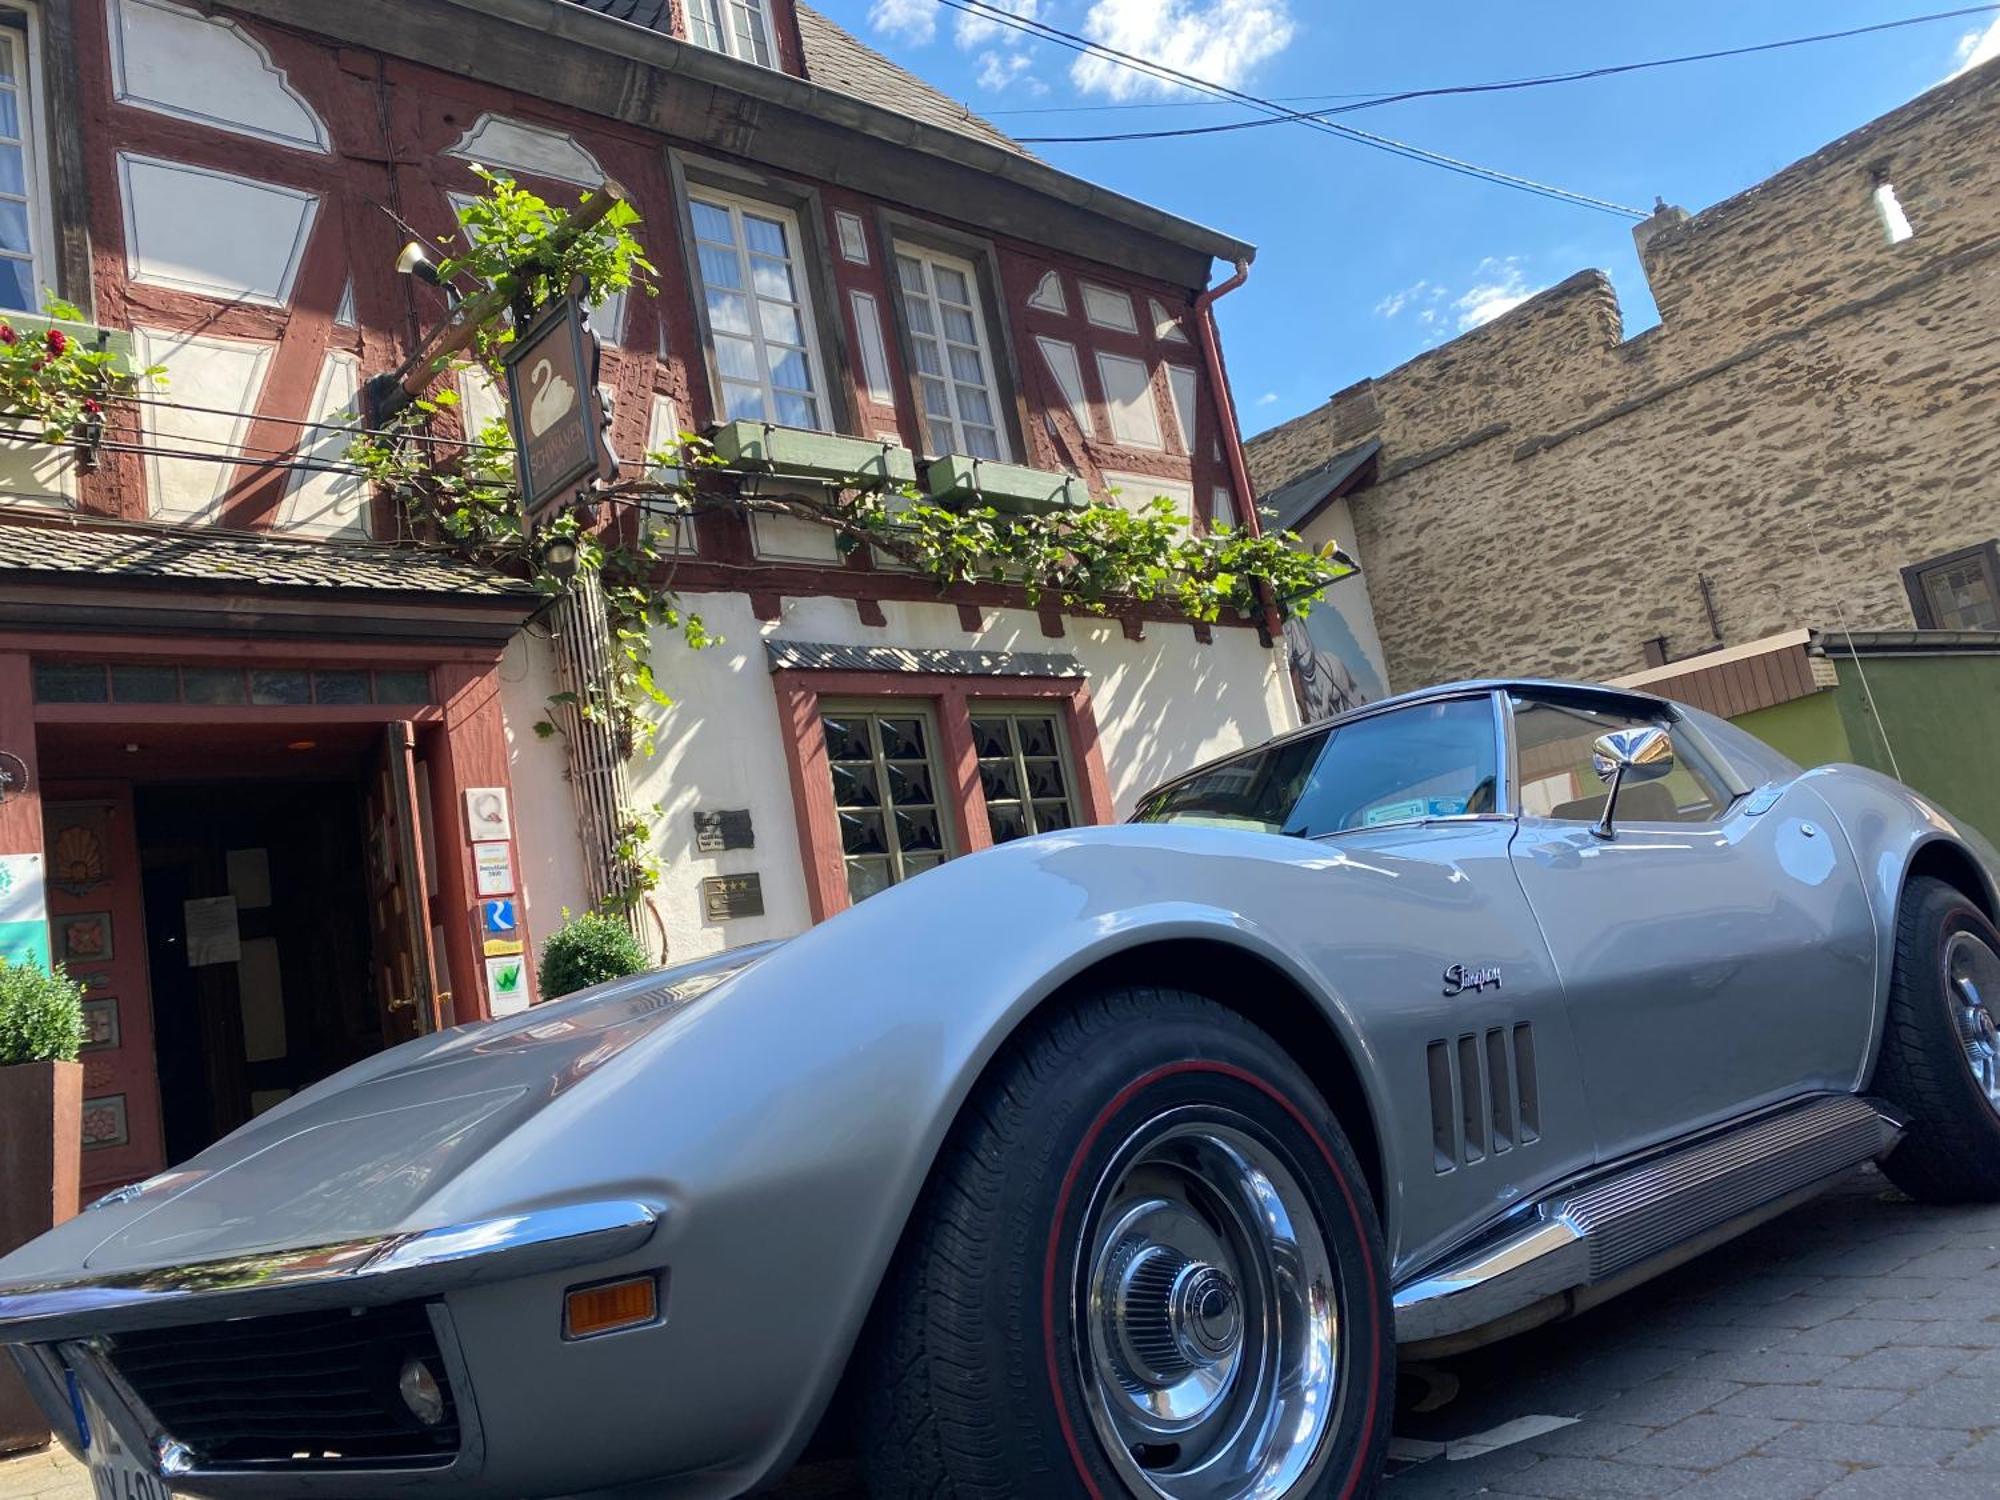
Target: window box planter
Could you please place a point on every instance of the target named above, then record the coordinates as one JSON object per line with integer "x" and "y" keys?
{"x": 957, "y": 479}
{"x": 824, "y": 457}
{"x": 116, "y": 341}
{"x": 41, "y": 1145}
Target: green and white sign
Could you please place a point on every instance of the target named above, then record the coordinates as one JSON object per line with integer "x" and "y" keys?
{"x": 24, "y": 910}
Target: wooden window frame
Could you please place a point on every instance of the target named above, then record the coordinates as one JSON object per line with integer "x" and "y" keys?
{"x": 931, "y": 260}
{"x": 1985, "y": 553}
{"x": 925, "y": 713}
{"x": 1000, "y": 706}
{"x": 694, "y": 175}
{"x": 33, "y": 120}
{"x": 800, "y": 694}
{"x": 766, "y": 26}
{"x": 895, "y": 230}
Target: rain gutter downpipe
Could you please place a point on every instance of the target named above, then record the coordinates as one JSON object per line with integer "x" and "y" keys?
{"x": 1232, "y": 431}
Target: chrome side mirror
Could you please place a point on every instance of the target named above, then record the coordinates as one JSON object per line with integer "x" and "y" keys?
{"x": 1628, "y": 755}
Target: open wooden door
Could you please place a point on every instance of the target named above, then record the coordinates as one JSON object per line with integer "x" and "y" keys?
{"x": 405, "y": 964}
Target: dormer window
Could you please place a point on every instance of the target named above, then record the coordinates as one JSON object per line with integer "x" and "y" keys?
{"x": 741, "y": 28}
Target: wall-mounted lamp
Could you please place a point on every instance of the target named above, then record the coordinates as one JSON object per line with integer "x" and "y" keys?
{"x": 559, "y": 555}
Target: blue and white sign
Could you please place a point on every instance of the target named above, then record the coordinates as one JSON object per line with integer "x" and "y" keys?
{"x": 498, "y": 917}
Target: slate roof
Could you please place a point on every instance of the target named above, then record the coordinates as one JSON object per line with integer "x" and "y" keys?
{"x": 1299, "y": 500}
{"x": 836, "y": 59}
{"x": 194, "y": 556}
{"x": 819, "y": 656}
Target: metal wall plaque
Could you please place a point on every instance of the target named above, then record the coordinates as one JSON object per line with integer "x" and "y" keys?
{"x": 720, "y": 830}
{"x": 725, "y": 897}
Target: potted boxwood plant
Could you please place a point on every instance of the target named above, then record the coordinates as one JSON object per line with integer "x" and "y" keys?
{"x": 41, "y": 1137}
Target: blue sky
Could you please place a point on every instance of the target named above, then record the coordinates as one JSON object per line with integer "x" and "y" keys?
{"x": 1365, "y": 260}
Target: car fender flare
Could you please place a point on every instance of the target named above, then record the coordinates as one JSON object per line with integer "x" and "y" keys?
{"x": 1895, "y": 834}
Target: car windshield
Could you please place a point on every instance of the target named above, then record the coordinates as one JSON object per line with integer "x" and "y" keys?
{"x": 1409, "y": 765}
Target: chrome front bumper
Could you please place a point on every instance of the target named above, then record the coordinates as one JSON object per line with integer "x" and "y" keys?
{"x": 66, "y": 1329}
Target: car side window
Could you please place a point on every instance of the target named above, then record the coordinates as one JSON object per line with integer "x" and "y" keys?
{"x": 1256, "y": 791}
{"x": 1431, "y": 760}
{"x": 1553, "y": 739}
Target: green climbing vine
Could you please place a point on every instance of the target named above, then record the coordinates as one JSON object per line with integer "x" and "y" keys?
{"x": 457, "y": 487}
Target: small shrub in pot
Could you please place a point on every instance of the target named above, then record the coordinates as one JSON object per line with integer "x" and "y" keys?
{"x": 588, "y": 950}
{"x": 41, "y": 1015}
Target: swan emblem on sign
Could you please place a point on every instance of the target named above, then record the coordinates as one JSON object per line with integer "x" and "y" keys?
{"x": 554, "y": 396}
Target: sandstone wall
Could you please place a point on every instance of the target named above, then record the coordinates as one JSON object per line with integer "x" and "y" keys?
{"x": 1817, "y": 410}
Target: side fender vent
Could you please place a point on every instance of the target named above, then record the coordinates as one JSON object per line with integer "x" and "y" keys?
{"x": 1484, "y": 1097}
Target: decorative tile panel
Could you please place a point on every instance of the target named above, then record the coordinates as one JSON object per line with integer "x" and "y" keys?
{"x": 224, "y": 375}
{"x": 500, "y": 141}
{"x": 173, "y": 210}
{"x": 323, "y": 502}
{"x": 175, "y": 61}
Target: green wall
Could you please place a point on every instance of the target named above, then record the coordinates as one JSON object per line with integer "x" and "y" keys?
{"x": 1810, "y": 730}
{"x": 1942, "y": 714}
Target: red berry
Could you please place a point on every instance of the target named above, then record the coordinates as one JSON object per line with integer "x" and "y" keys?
{"x": 7, "y": 334}
{"x": 58, "y": 340}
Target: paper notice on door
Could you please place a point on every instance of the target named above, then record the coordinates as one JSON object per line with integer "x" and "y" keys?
{"x": 212, "y": 934}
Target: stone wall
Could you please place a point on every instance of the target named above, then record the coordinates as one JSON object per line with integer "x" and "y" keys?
{"x": 1817, "y": 410}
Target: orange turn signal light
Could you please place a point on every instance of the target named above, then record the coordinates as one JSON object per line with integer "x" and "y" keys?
{"x": 610, "y": 1306}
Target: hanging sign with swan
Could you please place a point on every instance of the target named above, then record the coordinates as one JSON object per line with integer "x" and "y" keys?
{"x": 558, "y": 416}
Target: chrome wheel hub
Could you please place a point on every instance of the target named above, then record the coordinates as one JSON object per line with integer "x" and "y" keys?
{"x": 1972, "y": 979}
{"x": 1206, "y": 1314}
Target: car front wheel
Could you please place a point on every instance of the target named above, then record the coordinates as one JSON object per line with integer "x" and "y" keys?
{"x": 1940, "y": 1056}
{"x": 1147, "y": 1265}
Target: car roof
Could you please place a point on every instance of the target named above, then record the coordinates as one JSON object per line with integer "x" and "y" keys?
{"x": 1469, "y": 687}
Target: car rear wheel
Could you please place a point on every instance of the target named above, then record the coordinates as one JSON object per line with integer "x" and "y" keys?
{"x": 1147, "y": 1265}
{"x": 1940, "y": 1057}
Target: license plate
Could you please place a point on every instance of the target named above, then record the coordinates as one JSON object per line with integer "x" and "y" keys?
{"x": 116, "y": 1473}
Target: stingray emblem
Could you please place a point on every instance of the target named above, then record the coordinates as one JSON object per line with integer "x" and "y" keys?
{"x": 1460, "y": 977}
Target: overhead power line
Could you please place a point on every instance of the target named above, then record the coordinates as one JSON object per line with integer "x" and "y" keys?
{"x": 1377, "y": 98}
{"x": 1277, "y": 112}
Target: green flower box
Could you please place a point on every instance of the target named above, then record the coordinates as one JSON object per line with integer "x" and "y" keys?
{"x": 957, "y": 479}
{"x": 794, "y": 453}
{"x": 117, "y": 341}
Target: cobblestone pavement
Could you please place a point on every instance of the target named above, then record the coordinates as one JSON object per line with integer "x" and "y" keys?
{"x": 1847, "y": 1351}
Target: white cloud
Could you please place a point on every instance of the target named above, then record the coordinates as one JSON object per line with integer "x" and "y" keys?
{"x": 1499, "y": 285}
{"x": 973, "y": 29}
{"x": 1977, "y": 47}
{"x": 1502, "y": 289}
{"x": 1269, "y": 398}
{"x": 999, "y": 70}
{"x": 1219, "y": 41}
{"x": 912, "y": 21}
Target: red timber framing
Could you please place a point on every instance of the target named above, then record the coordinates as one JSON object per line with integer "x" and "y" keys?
{"x": 800, "y": 693}
{"x": 393, "y": 125}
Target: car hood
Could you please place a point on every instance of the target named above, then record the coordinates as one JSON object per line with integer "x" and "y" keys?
{"x": 362, "y": 1152}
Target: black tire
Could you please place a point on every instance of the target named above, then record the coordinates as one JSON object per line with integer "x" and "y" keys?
{"x": 1951, "y": 1150}
{"x": 971, "y": 1376}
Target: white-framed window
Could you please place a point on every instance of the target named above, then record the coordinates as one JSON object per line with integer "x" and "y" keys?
{"x": 27, "y": 232}
{"x": 760, "y": 317}
{"x": 952, "y": 352}
{"x": 741, "y": 28}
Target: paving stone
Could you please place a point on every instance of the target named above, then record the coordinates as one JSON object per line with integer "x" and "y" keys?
{"x": 1912, "y": 1484}
{"x": 1811, "y": 1403}
{"x": 1441, "y": 1479}
{"x": 1984, "y": 1454}
{"x": 1759, "y": 1478}
{"x": 1847, "y": 1336}
{"x": 1853, "y": 1443}
{"x": 1769, "y": 1367}
{"x": 1662, "y": 1402}
{"x": 1900, "y": 1368}
{"x": 1590, "y": 1438}
{"x": 1954, "y": 1261}
{"x": 1981, "y": 1366}
{"x": 1911, "y": 1309}
{"x": 1706, "y": 1441}
{"x": 1805, "y": 1310}
{"x": 1953, "y": 1403}
{"x": 1594, "y": 1479}
{"x": 1954, "y": 1333}
{"x": 1715, "y": 1338}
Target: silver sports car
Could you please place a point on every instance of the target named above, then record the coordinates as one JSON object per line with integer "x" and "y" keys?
{"x": 1115, "y": 1162}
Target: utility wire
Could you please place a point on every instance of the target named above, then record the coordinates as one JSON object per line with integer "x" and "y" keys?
{"x": 1277, "y": 112}
{"x": 1398, "y": 96}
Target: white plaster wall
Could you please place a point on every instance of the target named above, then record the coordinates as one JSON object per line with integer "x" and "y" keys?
{"x": 176, "y": 61}
{"x": 545, "y": 842}
{"x": 1162, "y": 705}
{"x": 1349, "y": 600}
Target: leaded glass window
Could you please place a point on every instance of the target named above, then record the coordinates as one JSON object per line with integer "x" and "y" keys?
{"x": 1023, "y": 771}
{"x": 887, "y": 794}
